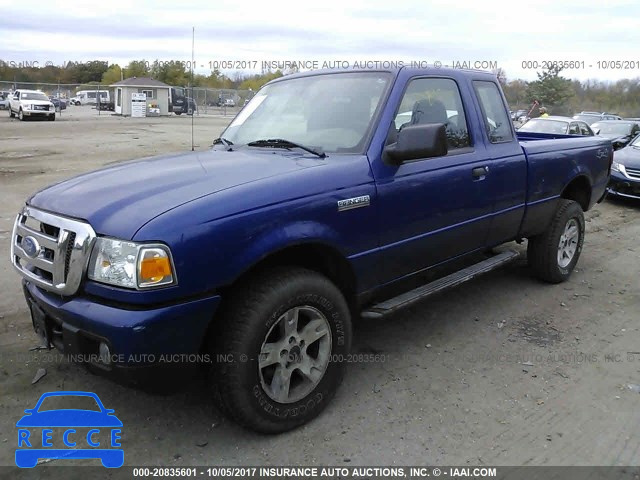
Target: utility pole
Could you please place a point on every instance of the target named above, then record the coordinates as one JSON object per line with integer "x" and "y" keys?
{"x": 193, "y": 113}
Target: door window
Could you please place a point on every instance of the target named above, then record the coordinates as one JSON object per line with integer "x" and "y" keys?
{"x": 435, "y": 100}
{"x": 584, "y": 129}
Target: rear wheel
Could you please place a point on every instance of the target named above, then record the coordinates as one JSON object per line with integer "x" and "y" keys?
{"x": 283, "y": 339}
{"x": 11, "y": 114}
{"x": 554, "y": 254}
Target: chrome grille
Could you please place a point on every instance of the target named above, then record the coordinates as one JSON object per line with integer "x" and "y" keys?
{"x": 633, "y": 172}
{"x": 57, "y": 250}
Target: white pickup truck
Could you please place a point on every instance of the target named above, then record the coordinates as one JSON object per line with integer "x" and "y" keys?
{"x": 31, "y": 103}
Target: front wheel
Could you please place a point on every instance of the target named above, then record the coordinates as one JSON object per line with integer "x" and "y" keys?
{"x": 280, "y": 352}
{"x": 21, "y": 115}
{"x": 554, "y": 254}
{"x": 52, "y": 118}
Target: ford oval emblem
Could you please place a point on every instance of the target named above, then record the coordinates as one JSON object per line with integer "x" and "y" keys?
{"x": 30, "y": 246}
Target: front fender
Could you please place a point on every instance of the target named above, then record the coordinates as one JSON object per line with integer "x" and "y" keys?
{"x": 293, "y": 234}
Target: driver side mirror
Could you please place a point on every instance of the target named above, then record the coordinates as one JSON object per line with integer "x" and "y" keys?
{"x": 417, "y": 141}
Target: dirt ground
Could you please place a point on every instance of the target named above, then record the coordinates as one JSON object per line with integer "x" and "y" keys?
{"x": 501, "y": 371}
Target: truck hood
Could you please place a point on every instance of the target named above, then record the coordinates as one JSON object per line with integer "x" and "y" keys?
{"x": 36, "y": 102}
{"x": 118, "y": 200}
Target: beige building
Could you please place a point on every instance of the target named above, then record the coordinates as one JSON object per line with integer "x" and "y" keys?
{"x": 157, "y": 93}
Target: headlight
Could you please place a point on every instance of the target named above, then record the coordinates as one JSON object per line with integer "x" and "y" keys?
{"x": 131, "y": 265}
{"x": 618, "y": 167}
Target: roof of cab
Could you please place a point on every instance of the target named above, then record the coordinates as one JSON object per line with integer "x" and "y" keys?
{"x": 450, "y": 72}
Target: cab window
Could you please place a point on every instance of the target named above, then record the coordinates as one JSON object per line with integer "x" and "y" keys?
{"x": 497, "y": 123}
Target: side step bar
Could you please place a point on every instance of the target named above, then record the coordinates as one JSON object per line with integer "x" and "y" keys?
{"x": 456, "y": 278}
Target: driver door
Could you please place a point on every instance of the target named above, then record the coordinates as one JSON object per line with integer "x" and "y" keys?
{"x": 433, "y": 209}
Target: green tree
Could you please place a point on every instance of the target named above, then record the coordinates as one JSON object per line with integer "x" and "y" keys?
{"x": 516, "y": 92}
{"x": 171, "y": 73}
{"x": 218, "y": 80}
{"x": 552, "y": 90}
{"x": 256, "y": 81}
{"x": 112, "y": 75}
{"x": 137, "y": 68}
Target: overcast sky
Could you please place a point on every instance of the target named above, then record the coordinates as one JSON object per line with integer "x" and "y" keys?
{"x": 506, "y": 32}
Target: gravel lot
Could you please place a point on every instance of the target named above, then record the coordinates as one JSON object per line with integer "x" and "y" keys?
{"x": 501, "y": 371}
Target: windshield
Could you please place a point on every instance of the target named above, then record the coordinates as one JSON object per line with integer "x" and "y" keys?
{"x": 331, "y": 113}
{"x": 614, "y": 128}
{"x": 544, "y": 126}
{"x": 33, "y": 96}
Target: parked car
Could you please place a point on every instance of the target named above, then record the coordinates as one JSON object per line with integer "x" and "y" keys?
{"x": 521, "y": 116}
{"x": 59, "y": 103}
{"x": 4, "y": 100}
{"x": 75, "y": 101}
{"x": 593, "y": 117}
{"x": 31, "y": 103}
{"x": 557, "y": 125}
{"x": 625, "y": 171}
{"x": 260, "y": 251}
{"x": 620, "y": 132}
{"x": 108, "y": 106}
{"x": 222, "y": 101}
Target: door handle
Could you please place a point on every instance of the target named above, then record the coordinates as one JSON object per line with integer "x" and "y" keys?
{"x": 479, "y": 172}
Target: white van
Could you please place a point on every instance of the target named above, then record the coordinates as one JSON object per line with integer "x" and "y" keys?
{"x": 90, "y": 97}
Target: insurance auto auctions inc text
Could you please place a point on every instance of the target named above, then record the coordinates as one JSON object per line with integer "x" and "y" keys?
{"x": 367, "y": 472}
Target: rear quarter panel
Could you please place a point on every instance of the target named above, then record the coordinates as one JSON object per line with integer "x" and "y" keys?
{"x": 552, "y": 165}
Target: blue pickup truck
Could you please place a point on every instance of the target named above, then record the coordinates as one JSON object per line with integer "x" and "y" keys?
{"x": 326, "y": 197}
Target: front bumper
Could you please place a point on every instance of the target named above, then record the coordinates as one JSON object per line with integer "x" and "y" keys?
{"x": 38, "y": 113}
{"x": 623, "y": 186}
{"x": 136, "y": 338}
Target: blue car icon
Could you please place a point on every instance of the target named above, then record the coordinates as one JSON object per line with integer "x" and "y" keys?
{"x": 31, "y": 448}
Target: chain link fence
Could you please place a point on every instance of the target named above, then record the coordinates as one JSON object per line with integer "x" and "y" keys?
{"x": 215, "y": 101}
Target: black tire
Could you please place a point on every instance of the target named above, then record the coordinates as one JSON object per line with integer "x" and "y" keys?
{"x": 178, "y": 113}
{"x": 254, "y": 312}
{"x": 21, "y": 115}
{"x": 52, "y": 118}
{"x": 543, "y": 249}
{"x": 11, "y": 114}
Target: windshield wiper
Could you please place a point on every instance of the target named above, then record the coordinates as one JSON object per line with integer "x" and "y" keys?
{"x": 282, "y": 143}
{"x": 225, "y": 142}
